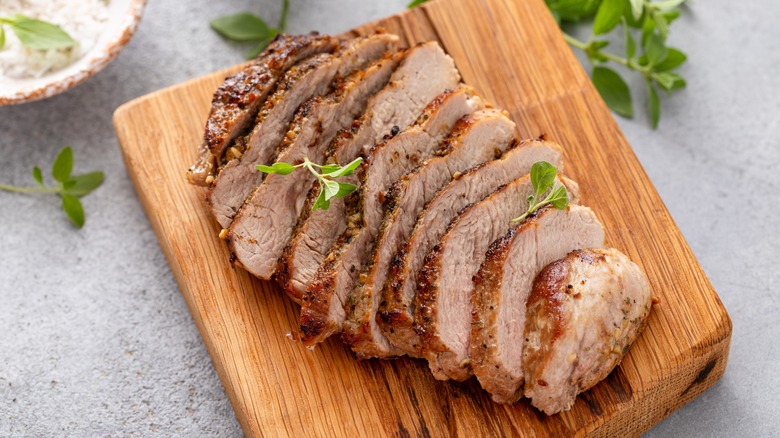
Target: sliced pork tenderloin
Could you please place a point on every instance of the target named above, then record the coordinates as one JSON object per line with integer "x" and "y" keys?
{"x": 262, "y": 227}
{"x": 325, "y": 302}
{"x": 237, "y": 176}
{"x": 237, "y": 101}
{"x": 317, "y": 231}
{"x": 476, "y": 138}
{"x": 396, "y": 312}
{"x": 584, "y": 313}
{"x": 444, "y": 284}
{"x": 503, "y": 284}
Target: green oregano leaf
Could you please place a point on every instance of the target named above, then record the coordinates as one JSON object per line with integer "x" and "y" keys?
{"x": 654, "y": 106}
{"x": 542, "y": 179}
{"x": 415, "y": 3}
{"x": 608, "y": 16}
{"x": 37, "y": 34}
{"x": 559, "y": 198}
{"x": 241, "y": 27}
{"x": 674, "y": 58}
{"x": 38, "y": 175}
{"x": 278, "y": 167}
{"x": 63, "y": 165}
{"x": 73, "y": 208}
{"x": 614, "y": 90}
{"x": 81, "y": 185}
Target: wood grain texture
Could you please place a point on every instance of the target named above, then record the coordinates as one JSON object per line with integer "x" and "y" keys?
{"x": 514, "y": 55}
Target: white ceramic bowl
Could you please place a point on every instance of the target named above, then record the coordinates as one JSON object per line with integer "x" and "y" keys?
{"x": 124, "y": 16}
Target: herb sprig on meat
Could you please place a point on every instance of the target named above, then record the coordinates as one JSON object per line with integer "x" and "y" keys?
{"x": 326, "y": 175}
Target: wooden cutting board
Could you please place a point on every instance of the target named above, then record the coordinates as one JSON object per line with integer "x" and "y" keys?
{"x": 513, "y": 54}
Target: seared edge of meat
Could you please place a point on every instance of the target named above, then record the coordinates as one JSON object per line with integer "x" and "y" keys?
{"x": 315, "y": 76}
{"x": 237, "y": 100}
{"x": 316, "y": 233}
{"x": 425, "y": 73}
{"x": 584, "y": 313}
{"x": 504, "y": 282}
{"x": 396, "y": 313}
{"x": 475, "y": 138}
{"x": 444, "y": 284}
{"x": 263, "y": 226}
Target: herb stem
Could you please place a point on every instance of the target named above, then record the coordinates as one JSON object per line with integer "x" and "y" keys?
{"x": 283, "y": 20}
{"x": 8, "y": 188}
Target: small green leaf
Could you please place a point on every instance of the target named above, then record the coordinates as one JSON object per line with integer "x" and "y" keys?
{"x": 613, "y": 90}
{"x": 349, "y": 169}
{"x": 63, "y": 165}
{"x": 345, "y": 189}
{"x": 415, "y": 3}
{"x": 329, "y": 168}
{"x": 322, "y": 202}
{"x": 608, "y": 16}
{"x": 655, "y": 50}
{"x": 662, "y": 25}
{"x": 669, "y": 81}
{"x": 39, "y": 35}
{"x": 73, "y": 209}
{"x": 667, "y": 4}
{"x": 629, "y": 41}
{"x": 331, "y": 188}
{"x": 2, "y": 36}
{"x": 38, "y": 175}
{"x": 674, "y": 58}
{"x": 559, "y": 198}
{"x": 671, "y": 15}
{"x": 241, "y": 27}
{"x": 280, "y": 167}
{"x": 636, "y": 8}
{"x": 648, "y": 28}
{"x": 261, "y": 45}
{"x": 542, "y": 176}
{"x": 654, "y": 106}
{"x": 81, "y": 185}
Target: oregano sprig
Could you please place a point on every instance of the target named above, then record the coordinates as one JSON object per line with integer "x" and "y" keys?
{"x": 67, "y": 186}
{"x": 543, "y": 179}
{"x": 644, "y": 26}
{"x": 326, "y": 176}
{"x": 643, "y": 20}
{"x": 35, "y": 34}
{"x": 246, "y": 26}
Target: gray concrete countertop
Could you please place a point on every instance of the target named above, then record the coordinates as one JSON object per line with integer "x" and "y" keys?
{"x": 95, "y": 338}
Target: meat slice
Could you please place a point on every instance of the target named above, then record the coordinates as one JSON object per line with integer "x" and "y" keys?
{"x": 262, "y": 227}
{"x": 476, "y": 138}
{"x": 583, "y": 314}
{"x": 317, "y": 231}
{"x": 325, "y": 307}
{"x": 238, "y": 177}
{"x": 238, "y": 100}
{"x": 443, "y": 301}
{"x": 396, "y": 311}
{"x": 503, "y": 285}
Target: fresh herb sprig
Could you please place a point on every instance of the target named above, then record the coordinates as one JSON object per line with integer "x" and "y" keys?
{"x": 326, "y": 175}
{"x": 68, "y": 187}
{"x": 543, "y": 179}
{"x": 36, "y": 34}
{"x": 643, "y": 20}
{"x": 248, "y": 27}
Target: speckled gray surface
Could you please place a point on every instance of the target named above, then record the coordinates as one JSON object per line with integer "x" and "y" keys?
{"x": 96, "y": 340}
